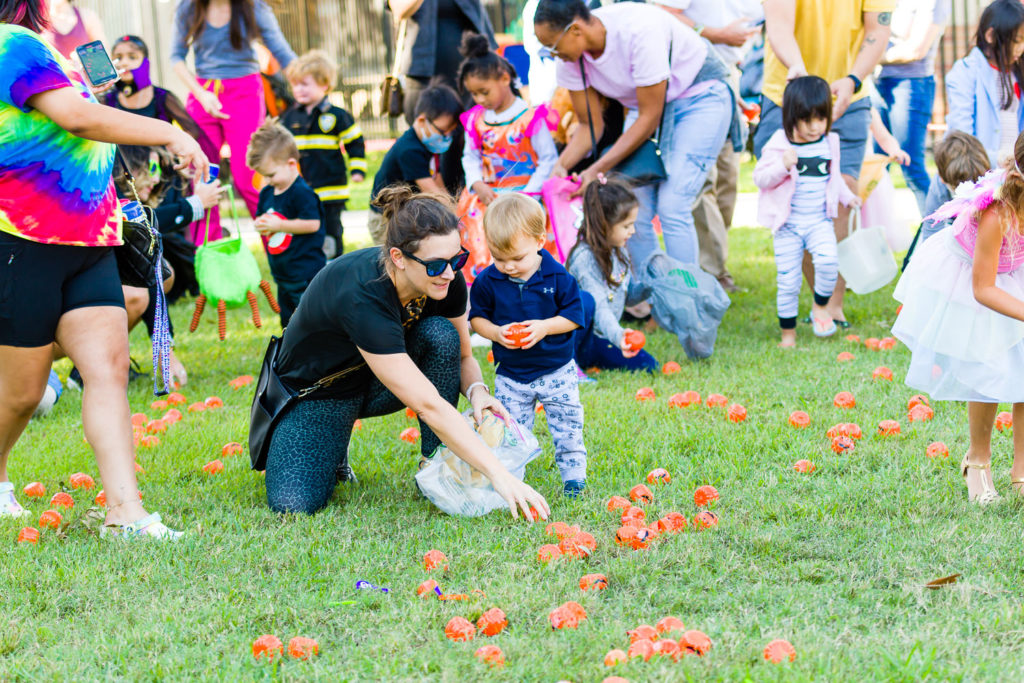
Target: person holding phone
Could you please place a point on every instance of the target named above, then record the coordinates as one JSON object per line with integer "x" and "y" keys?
{"x": 59, "y": 223}
{"x": 226, "y": 91}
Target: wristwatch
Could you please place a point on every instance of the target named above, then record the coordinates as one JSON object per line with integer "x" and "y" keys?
{"x": 857, "y": 84}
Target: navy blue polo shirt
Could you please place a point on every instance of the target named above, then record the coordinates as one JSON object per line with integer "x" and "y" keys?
{"x": 549, "y": 292}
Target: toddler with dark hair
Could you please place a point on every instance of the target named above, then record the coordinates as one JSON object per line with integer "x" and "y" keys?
{"x": 801, "y": 189}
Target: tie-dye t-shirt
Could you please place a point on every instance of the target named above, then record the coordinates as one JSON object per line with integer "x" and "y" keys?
{"x": 55, "y": 187}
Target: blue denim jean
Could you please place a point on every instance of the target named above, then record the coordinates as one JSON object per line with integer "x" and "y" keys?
{"x": 905, "y": 105}
{"x": 694, "y": 132}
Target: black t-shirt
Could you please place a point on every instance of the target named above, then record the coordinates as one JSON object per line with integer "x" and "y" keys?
{"x": 353, "y": 303}
{"x": 452, "y": 22}
{"x": 304, "y": 256}
{"x": 406, "y": 162}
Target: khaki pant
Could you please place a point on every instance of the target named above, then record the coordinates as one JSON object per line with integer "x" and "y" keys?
{"x": 713, "y": 210}
{"x": 375, "y": 224}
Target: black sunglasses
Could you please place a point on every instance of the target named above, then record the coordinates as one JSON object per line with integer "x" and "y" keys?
{"x": 437, "y": 266}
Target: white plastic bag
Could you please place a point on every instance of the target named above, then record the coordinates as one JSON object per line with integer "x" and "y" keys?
{"x": 458, "y": 489}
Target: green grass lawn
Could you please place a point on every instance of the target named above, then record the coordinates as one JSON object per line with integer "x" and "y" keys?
{"x": 835, "y": 561}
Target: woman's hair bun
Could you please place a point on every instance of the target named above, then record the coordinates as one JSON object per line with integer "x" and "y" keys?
{"x": 474, "y": 45}
{"x": 391, "y": 199}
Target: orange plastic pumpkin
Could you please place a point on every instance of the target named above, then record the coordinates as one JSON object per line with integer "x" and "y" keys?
{"x": 920, "y": 413}
{"x": 618, "y": 503}
{"x": 562, "y": 618}
{"x": 101, "y": 499}
{"x": 717, "y": 400}
{"x": 845, "y": 356}
{"x": 632, "y": 536}
{"x": 579, "y": 545}
{"x": 642, "y": 632}
{"x": 705, "y": 520}
{"x": 645, "y": 394}
{"x": 172, "y": 416}
{"x": 156, "y": 427}
{"x": 490, "y": 654}
{"x": 241, "y": 381}
{"x": 659, "y": 475}
{"x": 301, "y": 647}
{"x": 593, "y": 582}
{"x": 176, "y": 399}
{"x": 516, "y": 334}
{"x": 28, "y": 534}
{"x": 50, "y": 518}
{"x": 779, "y": 651}
{"x": 63, "y": 500}
{"x": 641, "y": 648}
{"x": 80, "y": 480}
{"x": 435, "y": 559}
{"x": 35, "y": 490}
{"x": 614, "y": 657}
{"x": 633, "y": 516}
{"x": 557, "y": 529}
{"x": 844, "y": 399}
{"x": 888, "y": 427}
{"x": 492, "y": 622}
{"x": 197, "y": 407}
{"x": 804, "y": 466}
{"x": 882, "y": 372}
{"x": 139, "y": 419}
{"x": 917, "y": 399}
{"x": 634, "y": 340}
{"x": 161, "y": 404}
{"x": 670, "y": 368}
{"x": 267, "y": 646}
{"x": 641, "y": 494}
{"x": 843, "y": 444}
{"x": 886, "y": 343}
{"x": 548, "y": 552}
{"x": 668, "y": 624}
{"x": 737, "y": 413}
{"x": 853, "y": 338}
{"x": 705, "y": 495}
{"x": 214, "y": 402}
{"x": 428, "y": 589}
{"x": 459, "y": 629}
{"x": 799, "y": 419}
{"x": 696, "y": 642}
{"x": 233, "y": 448}
{"x": 677, "y": 401}
{"x": 151, "y": 441}
{"x": 213, "y": 467}
{"x": 1004, "y": 421}
{"x": 872, "y": 343}
{"x": 937, "y": 449}
{"x": 409, "y": 435}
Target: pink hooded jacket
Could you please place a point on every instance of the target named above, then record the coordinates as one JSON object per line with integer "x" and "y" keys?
{"x": 777, "y": 185}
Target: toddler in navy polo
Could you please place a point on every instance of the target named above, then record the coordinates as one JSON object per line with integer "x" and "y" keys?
{"x": 529, "y": 306}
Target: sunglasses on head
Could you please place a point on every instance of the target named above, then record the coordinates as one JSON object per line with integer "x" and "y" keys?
{"x": 435, "y": 267}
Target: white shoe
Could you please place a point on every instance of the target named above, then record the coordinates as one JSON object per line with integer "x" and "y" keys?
{"x": 149, "y": 526}
{"x": 9, "y": 505}
{"x": 479, "y": 342}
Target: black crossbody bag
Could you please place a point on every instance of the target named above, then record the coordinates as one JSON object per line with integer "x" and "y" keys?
{"x": 644, "y": 166}
{"x": 273, "y": 397}
{"x": 141, "y": 250}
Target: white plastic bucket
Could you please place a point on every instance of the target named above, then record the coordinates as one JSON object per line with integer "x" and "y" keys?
{"x": 865, "y": 259}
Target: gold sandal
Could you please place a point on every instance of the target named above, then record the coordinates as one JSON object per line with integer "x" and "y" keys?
{"x": 1014, "y": 483}
{"x": 988, "y": 494}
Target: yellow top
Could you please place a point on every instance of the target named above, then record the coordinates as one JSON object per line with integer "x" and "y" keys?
{"x": 829, "y": 33}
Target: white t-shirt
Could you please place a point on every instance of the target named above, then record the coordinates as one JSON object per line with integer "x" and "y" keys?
{"x": 719, "y": 13}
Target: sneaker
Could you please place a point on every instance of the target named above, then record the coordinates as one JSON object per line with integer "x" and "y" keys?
{"x": 9, "y": 505}
{"x": 149, "y": 526}
{"x": 50, "y": 396}
{"x": 584, "y": 378}
{"x": 479, "y": 342}
{"x": 573, "y": 488}
{"x": 135, "y": 370}
{"x": 75, "y": 379}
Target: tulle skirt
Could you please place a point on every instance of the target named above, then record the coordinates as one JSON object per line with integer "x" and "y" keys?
{"x": 961, "y": 350}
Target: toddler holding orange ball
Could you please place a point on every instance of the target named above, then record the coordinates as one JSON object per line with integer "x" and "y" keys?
{"x": 600, "y": 264}
{"x": 529, "y": 306}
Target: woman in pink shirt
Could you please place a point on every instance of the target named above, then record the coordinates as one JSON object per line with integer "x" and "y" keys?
{"x": 661, "y": 71}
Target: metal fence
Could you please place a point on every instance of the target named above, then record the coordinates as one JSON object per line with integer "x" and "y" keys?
{"x": 359, "y": 34}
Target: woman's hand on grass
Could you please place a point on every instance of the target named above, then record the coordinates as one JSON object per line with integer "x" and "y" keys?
{"x": 519, "y": 495}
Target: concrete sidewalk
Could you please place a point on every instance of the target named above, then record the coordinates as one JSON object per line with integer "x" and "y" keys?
{"x": 905, "y": 208}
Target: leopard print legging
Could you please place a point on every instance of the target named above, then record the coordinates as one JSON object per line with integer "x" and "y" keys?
{"x": 311, "y": 440}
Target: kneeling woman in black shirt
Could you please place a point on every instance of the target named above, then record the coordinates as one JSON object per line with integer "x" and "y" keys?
{"x": 395, "y": 317}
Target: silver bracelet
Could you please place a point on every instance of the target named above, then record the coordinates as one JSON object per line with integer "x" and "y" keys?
{"x": 474, "y": 385}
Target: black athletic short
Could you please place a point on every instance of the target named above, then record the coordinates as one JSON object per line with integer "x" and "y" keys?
{"x": 41, "y": 282}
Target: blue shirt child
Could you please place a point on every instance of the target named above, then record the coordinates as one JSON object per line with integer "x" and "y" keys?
{"x": 550, "y": 292}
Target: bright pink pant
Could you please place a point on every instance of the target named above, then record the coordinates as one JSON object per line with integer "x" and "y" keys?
{"x": 242, "y": 100}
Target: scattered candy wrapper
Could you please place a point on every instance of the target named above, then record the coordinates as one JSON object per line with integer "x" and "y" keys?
{"x": 366, "y": 585}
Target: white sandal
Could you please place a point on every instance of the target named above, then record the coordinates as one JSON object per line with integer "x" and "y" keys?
{"x": 149, "y": 526}
{"x": 988, "y": 493}
{"x": 9, "y": 505}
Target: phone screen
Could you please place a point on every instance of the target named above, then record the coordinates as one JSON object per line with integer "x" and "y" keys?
{"x": 98, "y": 67}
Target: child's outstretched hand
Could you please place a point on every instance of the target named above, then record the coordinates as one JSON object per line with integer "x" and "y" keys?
{"x": 503, "y": 337}
{"x": 901, "y": 157}
{"x": 627, "y": 352}
{"x": 789, "y": 158}
{"x": 484, "y": 192}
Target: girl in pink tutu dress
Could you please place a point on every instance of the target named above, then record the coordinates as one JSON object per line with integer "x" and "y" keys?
{"x": 963, "y": 315}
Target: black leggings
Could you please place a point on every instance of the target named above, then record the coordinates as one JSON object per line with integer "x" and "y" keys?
{"x": 311, "y": 440}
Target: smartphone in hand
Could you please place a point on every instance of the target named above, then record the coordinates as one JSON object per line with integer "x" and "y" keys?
{"x": 99, "y": 69}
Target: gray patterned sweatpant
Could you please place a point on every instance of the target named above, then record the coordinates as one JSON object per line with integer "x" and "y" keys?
{"x": 559, "y": 393}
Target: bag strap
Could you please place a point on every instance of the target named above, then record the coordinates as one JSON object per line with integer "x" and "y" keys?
{"x": 329, "y": 380}
{"x": 399, "y": 47}
{"x": 590, "y": 116}
{"x": 128, "y": 177}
